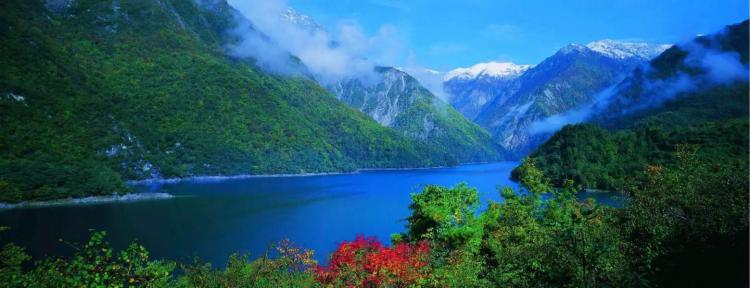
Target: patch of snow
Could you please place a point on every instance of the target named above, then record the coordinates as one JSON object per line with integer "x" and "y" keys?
{"x": 622, "y": 50}
{"x": 491, "y": 69}
{"x": 570, "y": 48}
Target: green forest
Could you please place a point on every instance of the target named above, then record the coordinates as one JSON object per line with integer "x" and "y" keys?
{"x": 599, "y": 159}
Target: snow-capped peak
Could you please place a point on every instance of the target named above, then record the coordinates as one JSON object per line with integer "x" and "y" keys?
{"x": 491, "y": 69}
{"x": 573, "y": 47}
{"x": 623, "y": 50}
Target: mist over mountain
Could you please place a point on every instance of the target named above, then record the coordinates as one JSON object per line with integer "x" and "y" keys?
{"x": 390, "y": 96}
{"x": 707, "y": 63}
{"x": 329, "y": 56}
{"x": 510, "y": 105}
{"x": 694, "y": 94}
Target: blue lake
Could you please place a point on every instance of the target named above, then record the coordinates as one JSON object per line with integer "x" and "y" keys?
{"x": 212, "y": 219}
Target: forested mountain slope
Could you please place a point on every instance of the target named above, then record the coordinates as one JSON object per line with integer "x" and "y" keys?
{"x": 95, "y": 92}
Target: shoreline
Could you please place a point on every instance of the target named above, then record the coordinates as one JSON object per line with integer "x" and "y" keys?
{"x": 147, "y": 196}
{"x": 217, "y": 178}
{"x": 88, "y": 200}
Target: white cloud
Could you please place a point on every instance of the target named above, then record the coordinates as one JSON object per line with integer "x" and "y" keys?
{"x": 431, "y": 79}
{"x": 348, "y": 52}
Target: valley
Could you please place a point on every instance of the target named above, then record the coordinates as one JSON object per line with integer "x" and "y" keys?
{"x": 275, "y": 143}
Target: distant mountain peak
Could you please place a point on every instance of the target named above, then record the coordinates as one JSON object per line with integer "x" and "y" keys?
{"x": 623, "y": 49}
{"x": 573, "y": 47}
{"x": 490, "y": 69}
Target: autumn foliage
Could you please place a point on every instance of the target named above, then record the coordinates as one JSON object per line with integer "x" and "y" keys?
{"x": 365, "y": 262}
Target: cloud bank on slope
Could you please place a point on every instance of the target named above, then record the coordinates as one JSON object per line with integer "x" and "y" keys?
{"x": 330, "y": 57}
{"x": 718, "y": 67}
{"x": 578, "y": 115}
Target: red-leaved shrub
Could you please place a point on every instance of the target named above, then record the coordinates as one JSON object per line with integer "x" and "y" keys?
{"x": 365, "y": 262}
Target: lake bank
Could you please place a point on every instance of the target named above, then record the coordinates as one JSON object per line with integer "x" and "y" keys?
{"x": 89, "y": 200}
{"x": 217, "y": 178}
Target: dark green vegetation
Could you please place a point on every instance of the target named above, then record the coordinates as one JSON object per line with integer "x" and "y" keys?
{"x": 686, "y": 224}
{"x": 713, "y": 116}
{"x": 96, "y": 264}
{"x": 398, "y": 101}
{"x": 103, "y": 91}
{"x": 600, "y": 159}
{"x": 682, "y": 163}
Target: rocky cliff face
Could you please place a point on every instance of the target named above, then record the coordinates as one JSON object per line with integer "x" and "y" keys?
{"x": 383, "y": 96}
{"x": 396, "y": 100}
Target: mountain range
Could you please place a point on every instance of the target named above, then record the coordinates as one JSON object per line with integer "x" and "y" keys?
{"x": 508, "y": 99}
{"x": 94, "y": 93}
{"x": 398, "y": 101}
{"x": 471, "y": 89}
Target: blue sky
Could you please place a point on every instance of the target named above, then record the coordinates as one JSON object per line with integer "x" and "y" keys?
{"x": 447, "y": 34}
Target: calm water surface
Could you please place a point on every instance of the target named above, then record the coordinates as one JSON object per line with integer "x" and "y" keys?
{"x": 212, "y": 219}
